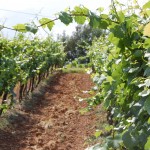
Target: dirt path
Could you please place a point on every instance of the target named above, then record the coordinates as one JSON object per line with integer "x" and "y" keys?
{"x": 54, "y": 123}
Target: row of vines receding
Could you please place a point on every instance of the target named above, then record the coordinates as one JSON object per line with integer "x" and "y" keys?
{"x": 23, "y": 64}
{"x": 121, "y": 60}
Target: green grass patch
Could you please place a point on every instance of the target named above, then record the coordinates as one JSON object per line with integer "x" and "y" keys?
{"x": 73, "y": 70}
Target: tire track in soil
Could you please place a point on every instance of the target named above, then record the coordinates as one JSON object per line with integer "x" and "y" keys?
{"x": 54, "y": 123}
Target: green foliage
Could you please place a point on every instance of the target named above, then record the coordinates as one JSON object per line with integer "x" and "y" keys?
{"x": 65, "y": 18}
{"x": 147, "y": 145}
{"x": 31, "y": 28}
{"x": 20, "y": 27}
{"x": 77, "y": 12}
{"x": 120, "y": 60}
{"x": 73, "y": 70}
{"x": 22, "y": 58}
{"x": 147, "y": 105}
{"x": 76, "y": 45}
{"x": 147, "y": 5}
{"x": 46, "y": 22}
{"x": 26, "y": 28}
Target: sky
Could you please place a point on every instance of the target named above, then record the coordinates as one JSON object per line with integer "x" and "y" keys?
{"x": 13, "y": 12}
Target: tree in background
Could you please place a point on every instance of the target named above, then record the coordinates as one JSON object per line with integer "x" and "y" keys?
{"x": 76, "y": 44}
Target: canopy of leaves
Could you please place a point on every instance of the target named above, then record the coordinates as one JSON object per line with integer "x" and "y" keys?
{"x": 76, "y": 44}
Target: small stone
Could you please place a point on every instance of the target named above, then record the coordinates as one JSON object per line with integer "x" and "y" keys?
{"x": 40, "y": 141}
{"x": 68, "y": 146}
{"x": 51, "y": 145}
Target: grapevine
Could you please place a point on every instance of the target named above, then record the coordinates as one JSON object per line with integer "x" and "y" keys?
{"x": 121, "y": 63}
{"x": 26, "y": 62}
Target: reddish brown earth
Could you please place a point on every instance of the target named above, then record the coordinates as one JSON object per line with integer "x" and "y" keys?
{"x": 52, "y": 121}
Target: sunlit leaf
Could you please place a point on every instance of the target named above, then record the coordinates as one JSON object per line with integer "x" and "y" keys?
{"x": 113, "y": 39}
{"x": 144, "y": 93}
{"x": 80, "y": 19}
{"x": 110, "y": 79}
{"x": 147, "y": 145}
{"x": 20, "y": 27}
{"x": 79, "y": 10}
{"x": 121, "y": 16}
{"x": 147, "y": 82}
{"x": 97, "y": 133}
{"x": 131, "y": 70}
{"x": 147, "y": 43}
{"x": 44, "y": 22}
{"x": 147, "y": 5}
{"x": 100, "y": 9}
{"x": 146, "y": 31}
{"x": 147, "y": 12}
{"x": 50, "y": 25}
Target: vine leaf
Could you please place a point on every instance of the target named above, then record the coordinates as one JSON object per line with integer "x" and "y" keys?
{"x": 46, "y": 22}
{"x": 100, "y": 9}
{"x": 147, "y": 30}
{"x": 94, "y": 20}
{"x": 114, "y": 141}
{"x": 121, "y": 16}
{"x": 147, "y": 71}
{"x": 98, "y": 133}
{"x": 80, "y": 19}
{"x": 50, "y": 25}
{"x": 20, "y": 27}
{"x": 147, "y": 5}
{"x": 147, "y": 105}
{"x": 147, "y": 145}
{"x": 31, "y": 28}
{"x": 80, "y": 10}
{"x": 128, "y": 140}
{"x": 113, "y": 39}
{"x": 103, "y": 24}
{"x": 80, "y": 14}
{"x": 65, "y": 18}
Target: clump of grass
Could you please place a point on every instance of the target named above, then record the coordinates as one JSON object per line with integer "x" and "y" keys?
{"x": 3, "y": 123}
{"x": 73, "y": 70}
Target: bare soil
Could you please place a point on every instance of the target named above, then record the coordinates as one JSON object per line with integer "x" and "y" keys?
{"x": 52, "y": 120}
